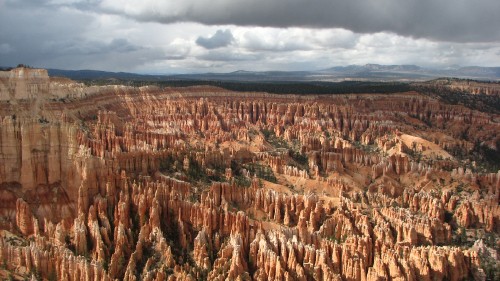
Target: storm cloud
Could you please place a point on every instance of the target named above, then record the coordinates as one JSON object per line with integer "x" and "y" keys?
{"x": 156, "y": 36}
{"x": 443, "y": 20}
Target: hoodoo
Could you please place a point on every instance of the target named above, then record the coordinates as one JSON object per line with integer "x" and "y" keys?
{"x": 203, "y": 183}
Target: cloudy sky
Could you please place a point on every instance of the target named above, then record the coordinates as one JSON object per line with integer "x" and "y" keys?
{"x": 184, "y": 36}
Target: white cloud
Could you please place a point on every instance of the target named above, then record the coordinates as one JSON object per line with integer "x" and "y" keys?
{"x": 274, "y": 39}
{"x": 233, "y": 56}
{"x": 178, "y": 49}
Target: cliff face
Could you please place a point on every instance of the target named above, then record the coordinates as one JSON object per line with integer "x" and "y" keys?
{"x": 205, "y": 184}
{"x": 23, "y": 83}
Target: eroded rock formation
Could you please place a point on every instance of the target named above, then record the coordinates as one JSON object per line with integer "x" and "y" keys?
{"x": 202, "y": 183}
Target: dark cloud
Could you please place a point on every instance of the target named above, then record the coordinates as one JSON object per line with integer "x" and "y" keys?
{"x": 120, "y": 45}
{"x": 81, "y": 46}
{"x": 221, "y": 38}
{"x": 5, "y": 48}
{"x": 36, "y": 34}
{"x": 61, "y": 37}
{"x": 442, "y": 20}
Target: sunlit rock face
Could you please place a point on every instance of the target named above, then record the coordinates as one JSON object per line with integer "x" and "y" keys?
{"x": 23, "y": 83}
{"x": 201, "y": 183}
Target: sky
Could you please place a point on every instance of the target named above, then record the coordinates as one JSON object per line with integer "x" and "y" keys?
{"x": 197, "y": 36}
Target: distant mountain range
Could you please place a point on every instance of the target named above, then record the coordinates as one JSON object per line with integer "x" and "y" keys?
{"x": 368, "y": 72}
{"x": 410, "y": 72}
